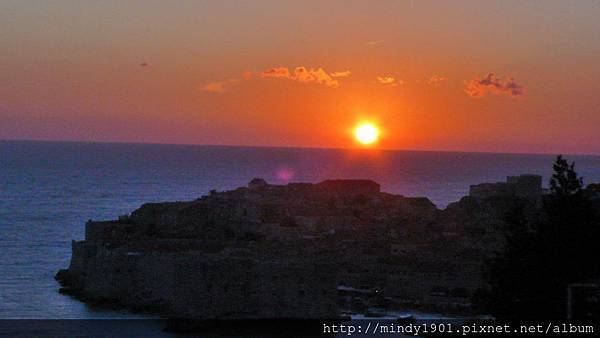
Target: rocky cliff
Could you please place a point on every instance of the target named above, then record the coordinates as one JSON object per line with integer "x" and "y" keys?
{"x": 287, "y": 251}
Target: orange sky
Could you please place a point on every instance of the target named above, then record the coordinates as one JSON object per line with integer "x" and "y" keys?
{"x": 434, "y": 75}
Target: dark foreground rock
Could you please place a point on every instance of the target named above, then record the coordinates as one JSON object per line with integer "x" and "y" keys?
{"x": 299, "y": 251}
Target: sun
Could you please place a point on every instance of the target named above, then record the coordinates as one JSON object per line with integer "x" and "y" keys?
{"x": 366, "y": 133}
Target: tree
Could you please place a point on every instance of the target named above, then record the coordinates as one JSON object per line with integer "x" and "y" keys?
{"x": 529, "y": 278}
{"x": 509, "y": 272}
{"x": 565, "y": 182}
{"x": 569, "y": 231}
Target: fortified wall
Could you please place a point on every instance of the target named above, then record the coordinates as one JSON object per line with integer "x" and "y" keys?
{"x": 282, "y": 251}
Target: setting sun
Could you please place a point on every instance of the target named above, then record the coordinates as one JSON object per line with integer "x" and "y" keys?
{"x": 366, "y": 133}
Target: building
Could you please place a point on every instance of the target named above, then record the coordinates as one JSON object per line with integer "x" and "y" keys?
{"x": 257, "y": 183}
{"x": 526, "y": 186}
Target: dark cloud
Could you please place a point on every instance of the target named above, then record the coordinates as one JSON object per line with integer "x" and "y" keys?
{"x": 494, "y": 85}
{"x": 277, "y": 72}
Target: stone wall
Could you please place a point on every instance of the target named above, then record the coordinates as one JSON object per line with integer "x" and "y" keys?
{"x": 197, "y": 285}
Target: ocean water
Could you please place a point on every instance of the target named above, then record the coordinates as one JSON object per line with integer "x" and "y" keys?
{"x": 49, "y": 189}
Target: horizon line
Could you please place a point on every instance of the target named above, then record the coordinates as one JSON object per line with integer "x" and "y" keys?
{"x": 299, "y": 147}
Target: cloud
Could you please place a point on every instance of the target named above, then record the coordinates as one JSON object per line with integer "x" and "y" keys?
{"x": 277, "y": 72}
{"x": 218, "y": 86}
{"x": 343, "y": 74}
{"x": 389, "y": 81}
{"x": 375, "y": 42}
{"x": 305, "y": 75}
{"x": 314, "y": 75}
{"x": 436, "y": 79}
{"x": 300, "y": 74}
{"x": 247, "y": 75}
{"x": 494, "y": 85}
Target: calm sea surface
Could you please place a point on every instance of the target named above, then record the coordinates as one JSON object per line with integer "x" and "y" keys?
{"x": 49, "y": 189}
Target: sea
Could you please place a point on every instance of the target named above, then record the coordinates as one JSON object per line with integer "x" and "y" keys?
{"x": 48, "y": 190}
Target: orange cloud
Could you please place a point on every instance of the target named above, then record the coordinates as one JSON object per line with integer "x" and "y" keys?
{"x": 374, "y": 42}
{"x": 218, "y": 86}
{"x": 302, "y": 74}
{"x": 277, "y": 72}
{"x": 343, "y": 74}
{"x": 388, "y": 81}
{"x": 247, "y": 75}
{"x": 436, "y": 79}
{"x": 491, "y": 84}
{"x": 311, "y": 75}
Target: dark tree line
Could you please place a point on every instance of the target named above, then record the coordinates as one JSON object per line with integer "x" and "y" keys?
{"x": 561, "y": 245}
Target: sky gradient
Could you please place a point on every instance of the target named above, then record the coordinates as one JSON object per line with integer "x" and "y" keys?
{"x": 446, "y": 75}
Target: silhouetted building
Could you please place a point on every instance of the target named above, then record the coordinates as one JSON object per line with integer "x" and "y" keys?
{"x": 527, "y": 186}
{"x": 257, "y": 183}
